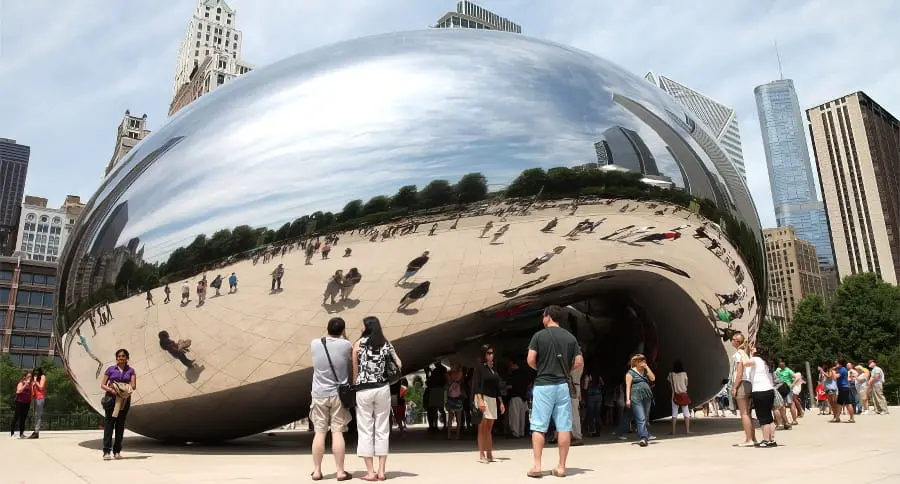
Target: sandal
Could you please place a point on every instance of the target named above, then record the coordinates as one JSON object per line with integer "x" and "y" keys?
{"x": 312, "y": 475}
{"x": 346, "y": 477}
{"x": 535, "y": 474}
{"x": 556, "y": 473}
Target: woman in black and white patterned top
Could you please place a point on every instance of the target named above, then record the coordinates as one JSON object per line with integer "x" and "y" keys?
{"x": 371, "y": 354}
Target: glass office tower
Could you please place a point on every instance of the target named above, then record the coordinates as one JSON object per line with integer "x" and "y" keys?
{"x": 790, "y": 170}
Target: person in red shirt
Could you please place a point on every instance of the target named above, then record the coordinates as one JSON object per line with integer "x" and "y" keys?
{"x": 821, "y": 399}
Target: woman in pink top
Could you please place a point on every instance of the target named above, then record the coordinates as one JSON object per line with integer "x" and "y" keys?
{"x": 23, "y": 401}
{"x": 39, "y": 397}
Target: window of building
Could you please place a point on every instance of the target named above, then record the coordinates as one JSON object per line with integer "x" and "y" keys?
{"x": 6, "y": 275}
{"x": 34, "y": 298}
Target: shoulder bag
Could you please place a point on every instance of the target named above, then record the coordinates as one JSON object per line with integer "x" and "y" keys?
{"x": 346, "y": 391}
{"x": 573, "y": 392}
{"x": 391, "y": 368}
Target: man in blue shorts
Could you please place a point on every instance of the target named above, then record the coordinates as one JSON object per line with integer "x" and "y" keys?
{"x": 554, "y": 353}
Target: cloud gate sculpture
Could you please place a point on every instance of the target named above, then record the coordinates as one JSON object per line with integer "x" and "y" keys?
{"x": 531, "y": 173}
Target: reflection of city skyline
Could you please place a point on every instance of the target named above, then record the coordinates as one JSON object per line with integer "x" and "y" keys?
{"x": 624, "y": 147}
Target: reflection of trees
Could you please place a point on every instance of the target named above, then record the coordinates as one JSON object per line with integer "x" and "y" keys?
{"x": 436, "y": 197}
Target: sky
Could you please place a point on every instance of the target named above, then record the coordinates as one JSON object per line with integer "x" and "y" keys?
{"x": 69, "y": 69}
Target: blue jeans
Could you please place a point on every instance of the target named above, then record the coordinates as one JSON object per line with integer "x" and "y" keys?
{"x": 641, "y": 411}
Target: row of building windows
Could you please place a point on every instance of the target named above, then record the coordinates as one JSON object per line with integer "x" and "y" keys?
{"x": 18, "y": 341}
{"x": 28, "y": 298}
{"x": 30, "y": 278}
{"x": 29, "y": 320}
{"x": 31, "y": 361}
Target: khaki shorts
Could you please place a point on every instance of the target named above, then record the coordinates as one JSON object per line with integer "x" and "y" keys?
{"x": 328, "y": 414}
{"x": 744, "y": 390}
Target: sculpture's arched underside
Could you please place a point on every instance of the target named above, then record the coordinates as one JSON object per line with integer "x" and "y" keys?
{"x": 363, "y": 118}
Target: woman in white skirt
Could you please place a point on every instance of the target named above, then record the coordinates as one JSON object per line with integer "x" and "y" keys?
{"x": 486, "y": 389}
{"x": 371, "y": 354}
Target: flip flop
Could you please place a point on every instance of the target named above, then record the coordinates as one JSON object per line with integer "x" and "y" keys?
{"x": 556, "y": 473}
{"x": 346, "y": 477}
{"x": 535, "y": 475}
{"x": 312, "y": 476}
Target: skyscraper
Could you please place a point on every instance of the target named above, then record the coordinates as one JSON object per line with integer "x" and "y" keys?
{"x": 131, "y": 131}
{"x": 719, "y": 119}
{"x": 13, "y": 170}
{"x": 857, "y": 148}
{"x": 209, "y": 55}
{"x": 793, "y": 269}
{"x": 468, "y": 15}
{"x": 790, "y": 170}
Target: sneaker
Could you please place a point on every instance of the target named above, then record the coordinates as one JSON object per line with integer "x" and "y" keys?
{"x": 642, "y": 443}
{"x": 772, "y": 443}
{"x": 107, "y": 457}
{"x": 117, "y": 456}
{"x": 762, "y": 444}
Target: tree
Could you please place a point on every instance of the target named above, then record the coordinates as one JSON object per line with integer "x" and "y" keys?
{"x": 352, "y": 210}
{"x": 770, "y": 341}
{"x": 865, "y": 313}
{"x": 562, "y": 181}
{"x": 377, "y": 204}
{"x": 811, "y": 336}
{"x": 528, "y": 183}
{"x": 406, "y": 197}
{"x": 472, "y": 187}
{"x": 436, "y": 194}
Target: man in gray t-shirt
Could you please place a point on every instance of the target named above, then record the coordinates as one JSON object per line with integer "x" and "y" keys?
{"x": 326, "y": 411}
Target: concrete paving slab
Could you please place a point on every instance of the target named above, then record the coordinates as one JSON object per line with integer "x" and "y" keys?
{"x": 864, "y": 453}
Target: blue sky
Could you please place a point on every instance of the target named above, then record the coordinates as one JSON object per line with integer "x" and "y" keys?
{"x": 69, "y": 69}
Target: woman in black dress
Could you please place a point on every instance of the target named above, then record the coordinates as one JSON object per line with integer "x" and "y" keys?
{"x": 487, "y": 400}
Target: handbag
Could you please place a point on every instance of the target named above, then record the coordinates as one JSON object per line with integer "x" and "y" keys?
{"x": 573, "y": 392}
{"x": 346, "y": 392}
{"x": 391, "y": 369}
{"x": 682, "y": 399}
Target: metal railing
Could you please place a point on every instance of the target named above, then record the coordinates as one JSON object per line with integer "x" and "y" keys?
{"x": 87, "y": 421}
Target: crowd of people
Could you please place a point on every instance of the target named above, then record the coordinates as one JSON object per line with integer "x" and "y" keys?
{"x": 774, "y": 396}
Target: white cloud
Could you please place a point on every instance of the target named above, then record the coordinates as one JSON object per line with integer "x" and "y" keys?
{"x": 69, "y": 70}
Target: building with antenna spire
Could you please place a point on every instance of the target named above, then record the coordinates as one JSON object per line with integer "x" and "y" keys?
{"x": 794, "y": 193}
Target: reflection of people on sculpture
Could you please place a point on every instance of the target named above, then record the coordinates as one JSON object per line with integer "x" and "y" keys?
{"x": 533, "y": 265}
{"x": 722, "y": 314}
{"x": 201, "y": 291}
{"x": 414, "y": 295}
{"x": 168, "y": 293}
{"x": 333, "y": 288}
{"x": 413, "y": 267}
{"x": 433, "y": 228}
{"x": 185, "y": 293}
{"x": 550, "y": 225}
{"x": 516, "y": 290}
{"x": 232, "y": 283}
{"x": 616, "y": 232}
{"x": 90, "y": 314}
{"x": 734, "y": 297}
{"x": 637, "y": 231}
{"x": 350, "y": 281}
{"x": 660, "y": 236}
{"x": 277, "y": 274}
{"x": 310, "y": 252}
{"x": 217, "y": 284}
{"x": 177, "y": 349}
{"x": 326, "y": 249}
{"x": 456, "y": 222}
{"x": 87, "y": 349}
{"x": 487, "y": 227}
{"x": 499, "y": 233}
{"x": 347, "y": 252}
{"x": 150, "y": 299}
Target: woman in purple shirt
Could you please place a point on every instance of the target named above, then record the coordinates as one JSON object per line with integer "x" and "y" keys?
{"x": 118, "y": 373}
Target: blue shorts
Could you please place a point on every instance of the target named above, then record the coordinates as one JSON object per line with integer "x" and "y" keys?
{"x": 551, "y": 401}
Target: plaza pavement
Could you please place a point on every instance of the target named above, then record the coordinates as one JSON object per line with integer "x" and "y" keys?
{"x": 864, "y": 453}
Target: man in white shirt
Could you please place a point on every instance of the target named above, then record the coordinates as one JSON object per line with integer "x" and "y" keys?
{"x": 876, "y": 388}
{"x": 331, "y": 369}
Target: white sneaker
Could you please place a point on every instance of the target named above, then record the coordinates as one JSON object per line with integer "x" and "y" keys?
{"x": 107, "y": 457}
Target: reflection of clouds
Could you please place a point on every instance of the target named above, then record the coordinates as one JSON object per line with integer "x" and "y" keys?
{"x": 362, "y": 118}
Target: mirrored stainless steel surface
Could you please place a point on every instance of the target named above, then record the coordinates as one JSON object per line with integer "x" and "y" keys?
{"x": 594, "y": 190}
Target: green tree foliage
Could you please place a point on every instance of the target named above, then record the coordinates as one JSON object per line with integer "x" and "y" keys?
{"x": 406, "y": 197}
{"x": 377, "y": 204}
{"x": 770, "y": 341}
{"x": 810, "y": 336}
{"x": 528, "y": 183}
{"x": 352, "y": 210}
{"x": 62, "y": 396}
{"x": 471, "y": 188}
{"x": 437, "y": 194}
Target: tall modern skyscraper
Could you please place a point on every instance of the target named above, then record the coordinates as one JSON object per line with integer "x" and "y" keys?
{"x": 13, "y": 170}
{"x": 468, "y": 15}
{"x": 790, "y": 170}
{"x": 857, "y": 148}
{"x": 209, "y": 55}
{"x": 720, "y": 119}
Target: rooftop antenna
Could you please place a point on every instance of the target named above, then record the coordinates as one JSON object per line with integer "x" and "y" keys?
{"x": 778, "y": 56}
